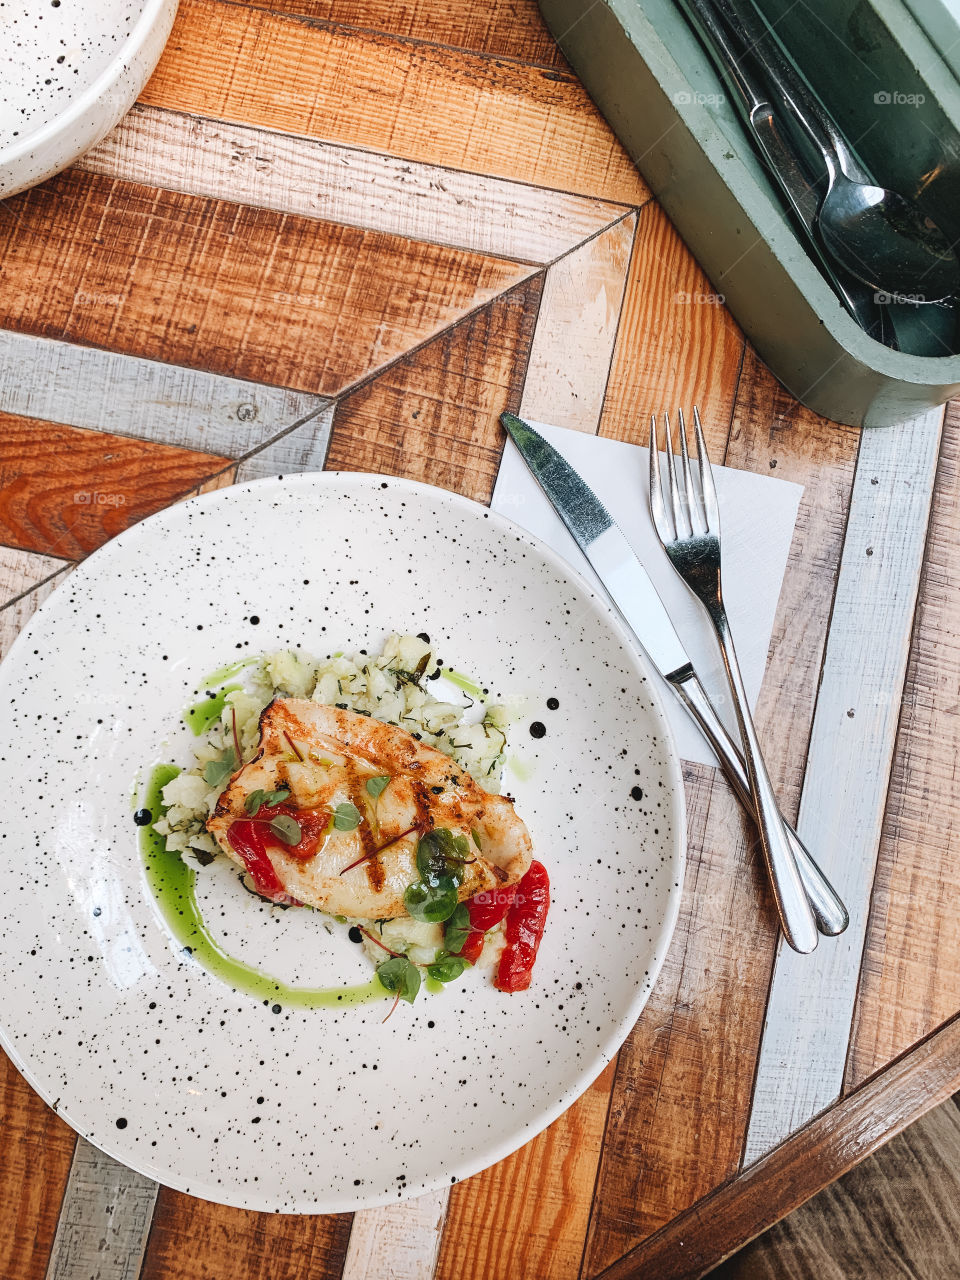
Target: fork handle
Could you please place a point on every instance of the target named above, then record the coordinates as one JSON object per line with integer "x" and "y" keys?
{"x": 830, "y": 913}
{"x": 796, "y": 917}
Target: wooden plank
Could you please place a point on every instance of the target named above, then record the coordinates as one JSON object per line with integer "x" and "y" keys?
{"x": 399, "y": 1241}
{"x": 104, "y": 1219}
{"x": 808, "y": 1023}
{"x": 694, "y": 1242}
{"x": 15, "y": 615}
{"x": 244, "y": 292}
{"x": 527, "y": 1216}
{"x": 190, "y": 408}
{"x": 576, "y": 331}
{"x": 513, "y": 29}
{"x": 676, "y": 344}
{"x": 21, "y": 571}
{"x": 681, "y": 1101}
{"x": 421, "y": 102}
{"x": 367, "y": 189}
{"x": 194, "y": 1239}
{"x": 35, "y": 1150}
{"x": 434, "y": 416}
{"x": 910, "y": 978}
{"x": 302, "y": 449}
{"x": 65, "y": 491}
{"x": 897, "y": 1213}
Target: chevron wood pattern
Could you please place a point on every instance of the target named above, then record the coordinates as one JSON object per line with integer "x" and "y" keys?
{"x": 349, "y": 234}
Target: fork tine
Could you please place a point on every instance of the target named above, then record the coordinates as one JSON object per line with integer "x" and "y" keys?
{"x": 657, "y": 509}
{"x": 707, "y": 487}
{"x": 676, "y": 502}
{"x": 694, "y": 513}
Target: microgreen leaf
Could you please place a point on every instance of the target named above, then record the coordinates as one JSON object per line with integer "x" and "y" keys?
{"x": 400, "y": 975}
{"x": 432, "y": 903}
{"x": 346, "y": 817}
{"x": 377, "y": 786}
{"x": 286, "y": 828}
{"x": 457, "y": 929}
{"x": 446, "y": 968}
{"x": 476, "y": 837}
{"x": 258, "y": 800}
{"x": 216, "y": 772}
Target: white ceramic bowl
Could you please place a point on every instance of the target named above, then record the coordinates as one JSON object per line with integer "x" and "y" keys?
{"x": 69, "y": 71}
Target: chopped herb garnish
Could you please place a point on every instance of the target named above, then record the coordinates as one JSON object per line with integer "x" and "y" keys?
{"x": 411, "y": 677}
{"x": 258, "y": 800}
{"x": 377, "y": 786}
{"x": 476, "y": 837}
{"x": 286, "y": 828}
{"x": 346, "y": 817}
{"x": 216, "y": 772}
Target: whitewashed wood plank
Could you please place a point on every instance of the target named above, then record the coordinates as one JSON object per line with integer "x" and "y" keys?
{"x": 367, "y": 189}
{"x": 21, "y": 570}
{"x": 398, "y": 1241}
{"x": 57, "y": 381}
{"x": 14, "y": 616}
{"x": 302, "y": 449}
{"x": 104, "y": 1219}
{"x": 810, "y": 1010}
{"x": 573, "y": 342}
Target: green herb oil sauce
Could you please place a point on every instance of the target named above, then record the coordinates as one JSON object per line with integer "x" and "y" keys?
{"x": 173, "y": 885}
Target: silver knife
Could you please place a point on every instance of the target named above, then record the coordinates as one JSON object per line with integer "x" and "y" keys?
{"x": 635, "y": 597}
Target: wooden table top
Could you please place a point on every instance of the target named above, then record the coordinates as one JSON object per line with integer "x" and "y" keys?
{"x": 348, "y": 234}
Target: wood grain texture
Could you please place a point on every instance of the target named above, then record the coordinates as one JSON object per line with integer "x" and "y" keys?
{"x": 367, "y": 189}
{"x": 397, "y": 1240}
{"x": 302, "y": 449}
{"x": 576, "y": 331}
{"x": 195, "y": 1239}
{"x": 35, "y": 1151}
{"x": 682, "y": 1097}
{"x": 735, "y": 1212}
{"x": 87, "y": 387}
{"x": 812, "y": 998}
{"x": 676, "y": 344}
{"x": 511, "y": 29}
{"x": 434, "y": 415}
{"x": 65, "y": 491}
{"x": 910, "y": 981}
{"x": 896, "y": 1214}
{"x": 421, "y": 102}
{"x": 244, "y": 292}
{"x": 527, "y": 1215}
{"x": 104, "y": 1219}
{"x": 15, "y": 615}
{"x": 21, "y": 571}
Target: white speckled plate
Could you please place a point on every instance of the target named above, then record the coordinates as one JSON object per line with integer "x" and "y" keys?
{"x": 69, "y": 69}
{"x": 318, "y": 1110}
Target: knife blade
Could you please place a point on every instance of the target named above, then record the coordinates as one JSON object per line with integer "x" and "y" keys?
{"x": 638, "y": 602}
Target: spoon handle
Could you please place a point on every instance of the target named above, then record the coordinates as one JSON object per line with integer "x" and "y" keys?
{"x": 780, "y": 156}
{"x": 809, "y": 111}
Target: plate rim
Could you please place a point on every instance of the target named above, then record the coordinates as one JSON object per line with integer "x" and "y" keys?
{"x": 467, "y": 1168}
{"x": 152, "y": 14}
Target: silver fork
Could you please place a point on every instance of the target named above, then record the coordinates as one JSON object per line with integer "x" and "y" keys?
{"x": 688, "y": 525}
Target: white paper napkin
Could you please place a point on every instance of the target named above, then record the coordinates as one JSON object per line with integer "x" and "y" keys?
{"x": 757, "y": 515}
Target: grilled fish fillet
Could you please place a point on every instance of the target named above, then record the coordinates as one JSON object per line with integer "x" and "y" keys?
{"x": 340, "y": 752}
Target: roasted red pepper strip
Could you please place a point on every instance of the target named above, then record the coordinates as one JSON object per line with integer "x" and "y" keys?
{"x": 524, "y": 929}
{"x": 486, "y": 910}
{"x": 246, "y": 839}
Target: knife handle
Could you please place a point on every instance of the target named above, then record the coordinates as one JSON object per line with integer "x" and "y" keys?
{"x": 830, "y": 913}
